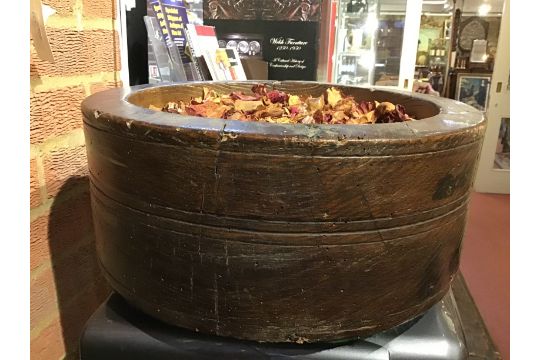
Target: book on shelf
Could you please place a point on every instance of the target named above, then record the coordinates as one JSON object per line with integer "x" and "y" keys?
{"x": 173, "y": 18}
{"x": 201, "y": 38}
{"x": 224, "y": 64}
{"x": 168, "y": 64}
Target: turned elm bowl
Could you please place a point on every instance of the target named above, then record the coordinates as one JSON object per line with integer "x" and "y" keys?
{"x": 279, "y": 233}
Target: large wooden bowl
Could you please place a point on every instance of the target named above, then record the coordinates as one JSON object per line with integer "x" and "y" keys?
{"x": 275, "y": 232}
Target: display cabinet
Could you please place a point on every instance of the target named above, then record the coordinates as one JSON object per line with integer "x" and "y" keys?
{"x": 388, "y": 49}
{"x": 369, "y": 41}
{"x": 357, "y": 23}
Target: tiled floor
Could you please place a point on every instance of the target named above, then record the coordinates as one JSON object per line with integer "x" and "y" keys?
{"x": 485, "y": 263}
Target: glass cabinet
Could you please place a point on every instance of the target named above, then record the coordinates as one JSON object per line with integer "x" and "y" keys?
{"x": 369, "y": 40}
{"x": 355, "y": 41}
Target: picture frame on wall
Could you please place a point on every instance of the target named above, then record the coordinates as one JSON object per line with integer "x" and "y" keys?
{"x": 473, "y": 89}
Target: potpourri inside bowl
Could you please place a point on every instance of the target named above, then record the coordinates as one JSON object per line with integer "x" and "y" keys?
{"x": 275, "y": 106}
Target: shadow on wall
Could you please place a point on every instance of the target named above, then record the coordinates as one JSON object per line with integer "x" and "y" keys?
{"x": 80, "y": 287}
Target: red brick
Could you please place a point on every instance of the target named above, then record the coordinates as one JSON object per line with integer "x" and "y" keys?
{"x": 49, "y": 344}
{"x": 56, "y": 287}
{"x": 64, "y": 164}
{"x": 91, "y": 8}
{"x": 62, "y": 7}
{"x": 78, "y": 52}
{"x": 43, "y": 299}
{"x": 64, "y": 228}
{"x": 76, "y": 272}
{"x": 35, "y": 198}
{"x": 39, "y": 244}
{"x": 99, "y": 8}
{"x": 62, "y": 335}
{"x": 73, "y": 286}
{"x": 94, "y": 88}
{"x": 73, "y": 311}
{"x": 55, "y": 112}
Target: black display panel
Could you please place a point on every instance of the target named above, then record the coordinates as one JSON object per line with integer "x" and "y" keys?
{"x": 285, "y": 34}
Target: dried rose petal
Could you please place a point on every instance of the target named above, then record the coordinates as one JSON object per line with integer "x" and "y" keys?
{"x": 366, "y": 106}
{"x": 322, "y": 117}
{"x": 209, "y": 94}
{"x": 333, "y": 96}
{"x": 318, "y": 117}
{"x": 388, "y": 113}
{"x": 259, "y": 89}
{"x": 227, "y": 101}
{"x": 171, "y": 107}
{"x": 235, "y": 115}
{"x": 218, "y": 112}
{"x": 339, "y": 117}
{"x": 247, "y": 106}
{"x": 400, "y": 110}
{"x": 294, "y": 100}
{"x": 368, "y": 118}
{"x": 308, "y": 120}
{"x": 276, "y": 96}
{"x": 295, "y": 110}
{"x": 201, "y": 109}
{"x": 238, "y": 95}
{"x": 273, "y": 110}
{"x": 315, "y": 104}
{"x": 384, "y": 107}
{"x": 283, "y": 120}
{"x": 345, "y": 105}
{"x": 275, "y": 106}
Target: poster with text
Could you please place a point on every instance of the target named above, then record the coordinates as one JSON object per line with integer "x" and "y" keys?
{"x": 284, "y": 34}
{"x": 291, "y": 51}
{"x": 172, "y": 17}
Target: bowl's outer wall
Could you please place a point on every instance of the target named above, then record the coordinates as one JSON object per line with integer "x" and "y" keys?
{"x": 262, "y": 235}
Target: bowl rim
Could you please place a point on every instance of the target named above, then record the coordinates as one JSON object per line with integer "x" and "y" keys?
{"x": 113, "y": 107}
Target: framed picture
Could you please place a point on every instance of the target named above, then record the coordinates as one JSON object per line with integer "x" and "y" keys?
{"x": 473, "y": 89}
{"x": 502, "y": 151}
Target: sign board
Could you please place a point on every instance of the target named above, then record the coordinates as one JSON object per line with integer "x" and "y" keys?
{"x": 289, "y": 32}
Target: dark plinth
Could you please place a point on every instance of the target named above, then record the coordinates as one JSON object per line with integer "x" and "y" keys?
{"x": 118, "y": 331}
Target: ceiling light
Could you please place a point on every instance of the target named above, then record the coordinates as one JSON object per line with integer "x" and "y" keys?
{"x": 484, "y": 9}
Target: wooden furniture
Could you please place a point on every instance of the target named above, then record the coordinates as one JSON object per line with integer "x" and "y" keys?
{"x": 274, "y": 232}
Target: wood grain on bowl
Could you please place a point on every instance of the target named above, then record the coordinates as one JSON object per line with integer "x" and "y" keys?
{"x": 279, "y": 232}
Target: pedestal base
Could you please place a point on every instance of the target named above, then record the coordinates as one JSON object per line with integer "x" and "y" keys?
{"x": 117, "y": 331}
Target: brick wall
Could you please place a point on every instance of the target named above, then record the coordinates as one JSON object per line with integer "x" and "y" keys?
{"x": 66, "y": 285}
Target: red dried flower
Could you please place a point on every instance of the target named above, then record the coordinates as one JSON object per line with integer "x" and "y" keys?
{"x": 331, "y": 107}
{"x": 238, "y": 95}
{"x": 276, "y": 96}
{"x": 366, "y": 106}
